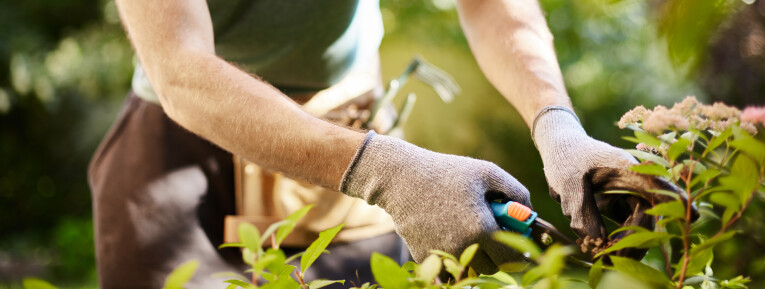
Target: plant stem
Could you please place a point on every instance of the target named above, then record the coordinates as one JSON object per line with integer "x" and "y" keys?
{"x": 300, "y": 279}
{"x": 664, "y": 251}
{"x": 255, "y": 276}
{"x": 687, "y": 228}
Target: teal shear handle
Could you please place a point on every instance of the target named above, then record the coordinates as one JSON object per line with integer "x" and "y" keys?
{"x": 514, "y": 216}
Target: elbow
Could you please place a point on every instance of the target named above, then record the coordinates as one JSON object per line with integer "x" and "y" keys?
{"x": 177, "y": 81}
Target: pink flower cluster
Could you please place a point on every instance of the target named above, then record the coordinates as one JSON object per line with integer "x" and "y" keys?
{"x": 690, "y": 113}
{"x": 754, "y": 114}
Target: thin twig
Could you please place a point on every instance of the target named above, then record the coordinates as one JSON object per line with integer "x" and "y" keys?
{"x": 664, "y": 251}
{"x": 687, "y": 228}
{"x": 300, "y": 279}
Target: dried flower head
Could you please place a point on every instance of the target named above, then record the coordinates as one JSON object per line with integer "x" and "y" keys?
{"x": 662, "y": 119}
{"x": 749, "y": 127}
{"x": 719, "y": 111}
{"x": 634, "y": 116}
{"x": 687, "y": 107}
{"x": 721, "y": 125}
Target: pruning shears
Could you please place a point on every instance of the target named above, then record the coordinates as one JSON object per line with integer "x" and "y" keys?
{"x": 516, "y": 217}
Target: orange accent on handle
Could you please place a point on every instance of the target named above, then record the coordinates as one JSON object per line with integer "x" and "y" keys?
{"x": 518, "y": 211}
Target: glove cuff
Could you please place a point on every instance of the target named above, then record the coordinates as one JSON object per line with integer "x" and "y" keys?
{"x": 554, "y": 123}
{"x": 344, "y": 182}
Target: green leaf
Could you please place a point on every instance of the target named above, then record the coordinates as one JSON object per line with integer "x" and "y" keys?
{"x": 651, "y": 169}
{"x": 35, "y": 283}
{"x": 749, "y": 145}
{"x": 317, "y": 247}
{"x": 181, "y": 275}
{"x": 443, "y": 254}
{"x": 668, "y": 137}
{"x": 678, "y": 148}
{"x": 628, "y": 228}
{"x": 387, "y": 272}
{"x": 468, "y": 254}
{"x": 239, "y": 283}
{"x": 292, "y": 221}
{"x": 711, "y": 190}
{"x": 668, "y": 193}
{"x": 725, "y": 199}
{"x": 705, "y": 176}
{"x": 675, "y": 171}
{"x": 453, "y": 268}
{"x": 639, "y": 240}
{"x": 316, "y": 284}
{"x": 742, "y": 178}
{"x": 248, "y": 256}
{"x": 622, "y": 192}
{"x": 409, "y": 266}
{"x": 271, "y": 256}
{"x": 640, "y": 271}
{"x": 736, "y": 283}
{"x": 429, "y": 268}
{"x": 646, "y": 156}
{"x": 249, "y": 236}
{"x": 229, "y": 245}
{"x": 648, "y": 139}
{"x": 710, "y": 243}
{"x": 232, "y": 286}
{"x": 270, "y": 230}
{"x": 481, "y": 282}
{"x": 596, "y": 273}
{"x": 697, "y": 263}
{"x": 717, "y": 140}
{"x": 518, "y": 242}
{"x": 550, "y": 264}
{"x": 631, "y": 139}
{"x": 668, "y": 209}
{"x": 281, "y": 283}
{"x": 698, "y": 167}
{"x": 503, "y": 277}
{"x": 533, "y": 275}
{"x": 664, "y": 221}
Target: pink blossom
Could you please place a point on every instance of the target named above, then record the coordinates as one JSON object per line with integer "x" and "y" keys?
{"x": 754, "y": 114}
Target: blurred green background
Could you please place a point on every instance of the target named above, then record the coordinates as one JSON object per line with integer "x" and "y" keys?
{"x": 65, "y": 66}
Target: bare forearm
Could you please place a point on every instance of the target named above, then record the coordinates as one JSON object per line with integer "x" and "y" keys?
{"x": 251, "y": 118}
{"x": 514, "y": 49}
{"x": 214, "y": 99}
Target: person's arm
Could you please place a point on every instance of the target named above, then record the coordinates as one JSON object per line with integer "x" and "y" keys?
{"x": 214, "y": 99}
{"x": 514, "y": 48}
{"x": 437, "y": 201}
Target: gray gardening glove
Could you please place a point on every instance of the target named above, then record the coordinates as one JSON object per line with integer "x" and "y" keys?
{"x": 437, "y": 201}
{"x": 579, "y": 168}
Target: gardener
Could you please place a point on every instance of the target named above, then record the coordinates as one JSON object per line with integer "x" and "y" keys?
{"x": 162, "y": 179}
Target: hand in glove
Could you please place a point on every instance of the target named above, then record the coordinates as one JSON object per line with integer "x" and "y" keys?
{"x": 437, "y": 201}
{"x": 579, "y": 168}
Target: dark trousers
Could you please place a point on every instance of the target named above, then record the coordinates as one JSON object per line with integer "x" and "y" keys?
{"x": 160, "y": 194}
